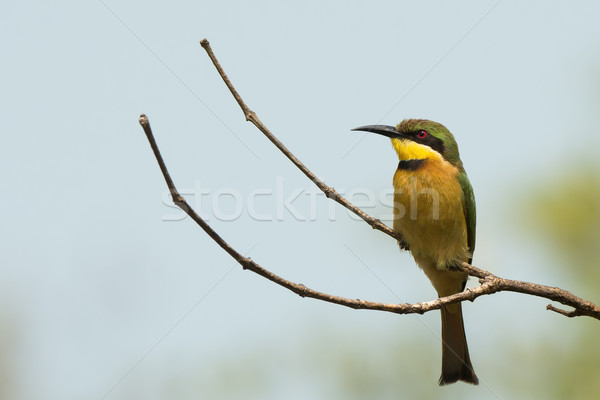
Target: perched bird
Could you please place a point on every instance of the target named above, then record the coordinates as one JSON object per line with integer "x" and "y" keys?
{"x": 434, "y": 211}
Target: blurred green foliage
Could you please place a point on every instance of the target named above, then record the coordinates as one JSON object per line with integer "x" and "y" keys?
{"x": 563, "y": 213}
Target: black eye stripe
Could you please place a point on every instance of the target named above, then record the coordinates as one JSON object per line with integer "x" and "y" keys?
{"x": 429, "y": 140}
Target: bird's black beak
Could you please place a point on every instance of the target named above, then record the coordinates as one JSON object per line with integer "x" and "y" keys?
{"x": 385, "y": 130}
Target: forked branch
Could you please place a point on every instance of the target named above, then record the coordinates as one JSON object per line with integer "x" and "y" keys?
{"x": 330, "y": 192}
{"x": 489, "y": 283}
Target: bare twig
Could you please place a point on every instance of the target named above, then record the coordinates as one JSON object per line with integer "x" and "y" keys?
{"x": 330, "y": 192}
{"x": 581, "y": 307}
{"x": 566, "y": 313}
{"x": 489, "y": 283}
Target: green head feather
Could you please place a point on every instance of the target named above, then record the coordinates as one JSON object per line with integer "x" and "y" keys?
{"x": 445, "y": 143}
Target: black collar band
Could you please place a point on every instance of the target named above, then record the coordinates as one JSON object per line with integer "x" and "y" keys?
{"x": 411, "y": 165}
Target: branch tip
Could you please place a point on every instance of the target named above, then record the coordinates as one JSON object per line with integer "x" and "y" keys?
{"x": 566, "y": 313}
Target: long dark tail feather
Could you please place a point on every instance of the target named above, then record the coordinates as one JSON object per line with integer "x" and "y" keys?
{"x": 456, "y": 365}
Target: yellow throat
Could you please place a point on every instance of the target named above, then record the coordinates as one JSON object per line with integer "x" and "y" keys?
{"x": 409, "y": 150}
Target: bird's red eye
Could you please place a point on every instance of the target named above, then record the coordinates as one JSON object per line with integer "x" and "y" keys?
{"x": 422, "y": 134}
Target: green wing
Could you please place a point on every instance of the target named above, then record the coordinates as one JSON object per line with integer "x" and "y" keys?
{"x": 469, "y": 208}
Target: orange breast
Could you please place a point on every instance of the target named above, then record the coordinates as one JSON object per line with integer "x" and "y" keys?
{"x": 429, "y": 213}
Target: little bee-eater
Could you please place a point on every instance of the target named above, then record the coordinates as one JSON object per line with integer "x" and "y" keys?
{"x": 434, "y": 211}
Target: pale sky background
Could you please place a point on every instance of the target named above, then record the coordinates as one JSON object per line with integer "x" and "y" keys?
{"x": 101, "y": 298}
